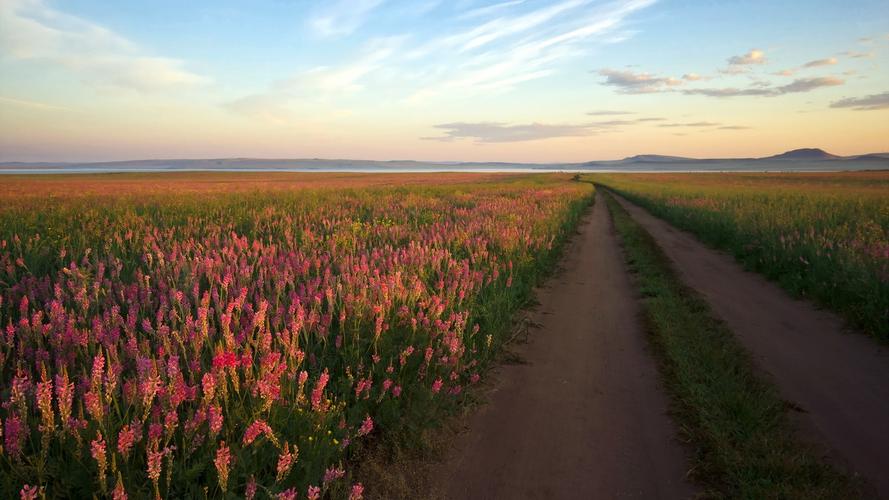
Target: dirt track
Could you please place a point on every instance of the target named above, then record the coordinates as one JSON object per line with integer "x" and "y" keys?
{"x": 585, "y": 416}
{"x": 839, "y": 381}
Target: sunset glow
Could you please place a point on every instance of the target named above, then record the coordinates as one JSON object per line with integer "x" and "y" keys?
{"x": 515, "y": 80}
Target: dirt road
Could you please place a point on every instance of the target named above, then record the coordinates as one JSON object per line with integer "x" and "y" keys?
{"x": 585, "y": 416}
{"x": 839, "y": 381}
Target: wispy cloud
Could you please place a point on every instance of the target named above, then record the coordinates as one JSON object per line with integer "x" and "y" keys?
{"x": 488, "y": 10}
{"x": 493, "y": 132}
{"x": 799, "y": 85}
{"x": 829, "y": 61}
{"x": 854, "y": 54}
{"x": 866, "y": 103}
{"x": 32, "y": 30}
{"x": 609, "y": 113}
{"x": 690, "y": 124}
{"x": 485, "y": 50}
{"x": 510, "y": 49}
{"x": 755, "y": 56}
{"x": 342, "y": 17}
{"x": 743, "y": 62}
{"x": 631, "y": 82}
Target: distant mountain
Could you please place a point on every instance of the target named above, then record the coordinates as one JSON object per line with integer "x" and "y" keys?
{"x": 808, "y": 154}
{"x": 655, "y": 158}
{"x": 872, "y": 156}
{"x": 811, "y": 159}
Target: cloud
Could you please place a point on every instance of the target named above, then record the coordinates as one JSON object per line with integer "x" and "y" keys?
{"x": 514, "y": 48}
{"x": 755, "y": 56}
{"x": 855, "y": 54}
{"x": 342, "y": 17}
{"x": 490, "y": 9}
{"x": 496, "y": 132}
{"x": 734, "y": 127}
{"x": 867, "y": 103}
{"x": 630, "y": 82}
{"x": 691, "y": 124}
{"x": 797, "y": 86}
{"x": 493, "y": 132}
{"x": 821, "y": 62}
{"x": 609, "y": 113}
{"x": 692, "y": 77}
{"x": 807, "y": 85}
{"x": 489, "y": 51}
{"x": 34, "y": 31}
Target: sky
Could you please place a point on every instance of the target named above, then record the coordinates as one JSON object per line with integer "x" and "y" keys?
{"x": 455, "y": 80}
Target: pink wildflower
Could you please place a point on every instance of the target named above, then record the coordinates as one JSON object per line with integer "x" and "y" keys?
{"x": 332, "y": 474}
{"x": 285, "y": 461}
{"x": 154, "y": 464}
{"x": 13, "y": 435}
{"x": 250, "y": 492}
{"x": 215, "y": 419}
{"x": 125, "y": 439}
{"x": 257, "y": 428}
{"x": 209, "y": 384}
{"x": 222, "y": 461}
{"x": 366, "y": 427}
{"x": 318, "y": 392}
{"x": 97, "y": 450}
{"x": 29, "y": 492}
{"x": 436, "y": 386}
{"x": 313, "y": 493}
{"x": 357, "y": 492}
{"x": 119, "y": 492}
{"x": 289, "y": 494}
{"x": 64, "y": 396}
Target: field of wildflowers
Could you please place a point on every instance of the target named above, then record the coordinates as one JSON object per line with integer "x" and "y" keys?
{"x": 823, "y": 236}
{"x": 246, "y": 343}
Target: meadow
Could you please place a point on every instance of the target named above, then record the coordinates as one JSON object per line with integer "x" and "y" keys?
{"x": 822, "y": 236}
{"x": 219, "y": 337}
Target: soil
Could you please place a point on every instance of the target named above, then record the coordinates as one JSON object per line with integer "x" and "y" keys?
{"x": 836, "y": 382}
{"x": 581, "y": 412}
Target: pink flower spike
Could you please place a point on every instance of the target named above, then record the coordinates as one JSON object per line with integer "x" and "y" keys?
{"x": 357, "y": 492}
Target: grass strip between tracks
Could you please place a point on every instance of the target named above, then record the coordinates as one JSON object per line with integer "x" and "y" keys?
{"x": 742, "y": 439}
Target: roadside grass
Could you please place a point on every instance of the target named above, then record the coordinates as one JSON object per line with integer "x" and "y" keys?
{"x": 404, "y": 462}
{"x": 744, "y": 444}
{"x": 823, "y": 237}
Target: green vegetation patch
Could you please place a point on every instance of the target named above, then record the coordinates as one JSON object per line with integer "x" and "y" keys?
{"x": 744, "y": 444}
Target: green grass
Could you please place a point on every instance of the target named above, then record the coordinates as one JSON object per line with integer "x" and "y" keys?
{"x": 743, "y": 441}
{"x": 820, "y": 236}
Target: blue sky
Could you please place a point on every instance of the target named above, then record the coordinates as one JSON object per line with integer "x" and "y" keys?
{"x": 510, "y": 80}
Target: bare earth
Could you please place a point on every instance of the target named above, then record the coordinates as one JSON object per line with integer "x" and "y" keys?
{"x": 585, "y": 416}
{"x": 839, "y": 381}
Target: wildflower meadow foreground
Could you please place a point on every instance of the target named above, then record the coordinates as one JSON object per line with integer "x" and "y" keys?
{"x": 185, "y": 343}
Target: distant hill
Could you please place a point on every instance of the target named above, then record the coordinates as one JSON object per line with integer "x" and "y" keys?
{"x": 804, "y": 154}
{"x": 809, "y": 159}
{"x": 655, "y": 158}
{"x": 873, "y": 156}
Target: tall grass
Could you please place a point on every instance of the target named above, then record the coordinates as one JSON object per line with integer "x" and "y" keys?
{"x": 821, "y": 236}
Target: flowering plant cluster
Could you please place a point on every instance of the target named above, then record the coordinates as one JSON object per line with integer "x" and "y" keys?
{"x": 171, "y": 345}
